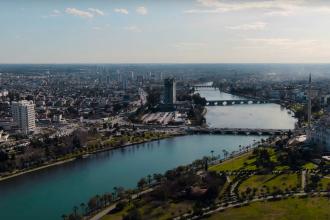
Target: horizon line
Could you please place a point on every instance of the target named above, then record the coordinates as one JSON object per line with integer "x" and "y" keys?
{"x": 156, "y": 63}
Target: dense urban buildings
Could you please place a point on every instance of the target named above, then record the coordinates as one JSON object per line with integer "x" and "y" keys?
{"x": 172, "y": 110}
{"x": 55, "y": 114}
{"x": 320, "y": 134}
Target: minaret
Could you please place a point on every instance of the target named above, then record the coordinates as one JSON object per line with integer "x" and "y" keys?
{"x": 309, "y": 105}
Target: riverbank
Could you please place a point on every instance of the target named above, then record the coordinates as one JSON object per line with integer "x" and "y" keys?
{"x": 104, "y": 211}
{"x": 81, "y": 156}
{"x": 21, "y": 172}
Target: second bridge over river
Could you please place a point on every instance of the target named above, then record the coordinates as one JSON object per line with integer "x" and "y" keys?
{"x": 235, "y": 102}
{"x": 238, "y": 131}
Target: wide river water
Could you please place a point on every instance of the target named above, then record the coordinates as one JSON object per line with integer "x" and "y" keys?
{"x": 267, "y": 116}
{"x": 49, "y": 193}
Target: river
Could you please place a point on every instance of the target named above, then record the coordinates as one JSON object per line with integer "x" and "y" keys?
{"x": 266, "y": 116}
{"x": 49, "y": 193}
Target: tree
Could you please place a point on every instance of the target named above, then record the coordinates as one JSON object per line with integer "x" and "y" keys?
{"x": 206, "y": 165}
{"x": 157, "y": 177}
{"x": 83, "y": 208}
{"x": 142, "y": 183}
{"x": 76, "y": 142}
{"x": 328, "y": 187}
{"x": 117, "y": 107}
{"x": 3, "y": 156}
{"x": 263, "y": 158}
{"x": 153, "y": 97}
{"x": 108, "y": 198}
{"x": 212, "y": 152}
{"x": 92, "y": 204}
{"x": 75, "y": 210}
{"x": 120, "y": 191}
{"x": 198, "y": 100}
{"x": 134, "y": 214}
{"x": 225, "y": 153}
{"x": 149, "y": 179}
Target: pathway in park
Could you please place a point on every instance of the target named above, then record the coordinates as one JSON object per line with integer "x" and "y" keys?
{"x": 303, "y": 180}
{"x": 108, "y": 209}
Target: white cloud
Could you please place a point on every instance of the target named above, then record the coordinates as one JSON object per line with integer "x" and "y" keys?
{"x": 215, "y": 6}
{"x": 283, "y": 43}
{"x": 97, "y": 28}
{"x": 55, "y": 13}
{"x": 79, "y": 13}
{"x": 90, "y": 13}
{"x": 249, "y": 27}
{"x": 121, "y": 10}
{"x": 96, "y": 11}
{"x": 190, "y": 45}
{"x": 142, "y": 10}
{"x": 132, "y": 28}
{"x": 100, "y": 28}
{"x": 286, "y": 12}
{"x": 268, "y": 7}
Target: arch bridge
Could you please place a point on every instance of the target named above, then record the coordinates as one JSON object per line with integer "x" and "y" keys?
{"x": 204, "y": 86}
{"x": 238, "y": 131}
{"x": 235, "y": 102}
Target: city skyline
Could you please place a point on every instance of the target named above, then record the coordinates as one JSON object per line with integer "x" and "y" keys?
{"x": 204, "y": 31}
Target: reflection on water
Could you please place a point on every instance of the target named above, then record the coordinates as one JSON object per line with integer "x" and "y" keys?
{"x": 49, "y": 193}
{"x": 215, "y": 94}
{"x": 267, "y": 116}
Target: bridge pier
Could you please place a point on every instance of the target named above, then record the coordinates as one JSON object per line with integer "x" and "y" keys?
{"x": 238, "y": 131}
{"x": 235, "y": 102}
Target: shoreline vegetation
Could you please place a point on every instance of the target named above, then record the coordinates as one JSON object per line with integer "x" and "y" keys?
{"x": 83, "y": 155}
{"x": 152, "y": 183}
{"x": 211, "y": 188}
{"x": 200, "y": 113}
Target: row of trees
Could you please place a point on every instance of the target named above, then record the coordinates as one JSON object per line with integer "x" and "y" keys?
{"x": 168, "y": 185}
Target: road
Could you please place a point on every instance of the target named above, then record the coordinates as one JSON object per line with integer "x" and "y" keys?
{"x": 233, "y": 204}
{"x": 303, "y": 180}
{"x": 108, "y": 209}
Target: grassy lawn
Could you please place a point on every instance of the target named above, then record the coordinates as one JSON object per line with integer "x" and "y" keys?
{"x": 325, "y": 181}
{"x": 168, "y": 211}
{"x": 289, "y": 209}
{"x": 242, "y": 162}
{"x": 255, "y": 181}
{"x": 282, "y": 167}
{"x": 118, "y": 215}
{"x": 282, "y": 182}
{"x": 310, "y": 166}
{"x": 155, "y": 211}
{"x": 272, "y": 155}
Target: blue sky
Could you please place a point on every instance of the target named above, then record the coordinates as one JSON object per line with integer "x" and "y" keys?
{"x": 157, "y": 31}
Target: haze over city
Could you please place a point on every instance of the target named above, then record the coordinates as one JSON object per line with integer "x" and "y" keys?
{"x": 201, "y": 31}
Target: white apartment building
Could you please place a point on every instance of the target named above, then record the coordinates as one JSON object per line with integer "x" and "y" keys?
{"x": 24, "y": 115}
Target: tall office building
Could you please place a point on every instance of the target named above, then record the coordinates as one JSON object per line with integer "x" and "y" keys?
{"x": 309, "y": 106}
{"x": 169, "y": 91}
{"x": 24, "y": 115}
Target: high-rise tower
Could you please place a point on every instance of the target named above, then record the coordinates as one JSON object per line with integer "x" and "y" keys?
{"x": 24, "y": 115}
{"x": 309, "y": 106}
{"x": 170, "y": 91}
